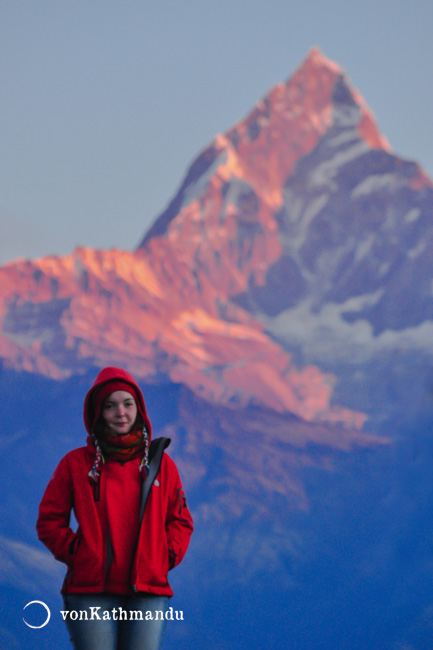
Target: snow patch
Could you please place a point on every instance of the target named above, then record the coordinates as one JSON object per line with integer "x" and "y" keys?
{"x": 346, "y": 136}
{"x": 373, "y": 184}
{"x": 327, "y": 338}
{"x": 326, "y": 171}
{"x": 412, "y": 215}
{"x": 418, "y": 249}
{"x": 195, "y": 189}
{"x": 313, "y": 209}
{"x": 363, "y": 249}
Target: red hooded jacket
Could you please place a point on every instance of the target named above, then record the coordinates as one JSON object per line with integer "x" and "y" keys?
{"x": 111, "y": 551}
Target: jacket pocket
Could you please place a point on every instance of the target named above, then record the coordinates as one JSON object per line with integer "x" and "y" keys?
{"x": 74, "y": 545}
{"x": 85, "y": 567}
{"x": 171, "y": 559}
{"x": 152, "y": 563}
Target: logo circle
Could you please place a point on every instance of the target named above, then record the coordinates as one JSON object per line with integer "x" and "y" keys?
{"x": 38, "y": 602}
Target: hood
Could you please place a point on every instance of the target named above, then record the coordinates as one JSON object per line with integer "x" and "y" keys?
{"x": 106, "y": 375}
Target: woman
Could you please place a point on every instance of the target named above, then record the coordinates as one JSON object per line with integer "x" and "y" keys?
{"x": 133, "y": 522}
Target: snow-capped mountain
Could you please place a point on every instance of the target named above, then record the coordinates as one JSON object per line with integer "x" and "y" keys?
{"x": 303, "y": 216}
{"x": 295, "y": 233}
{"x": 278, "y": 315}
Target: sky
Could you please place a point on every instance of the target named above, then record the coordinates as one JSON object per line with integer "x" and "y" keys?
{"x": 105, "y": 103}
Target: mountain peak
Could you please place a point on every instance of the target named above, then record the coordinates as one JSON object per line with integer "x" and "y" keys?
{"x": 316, "y": 59}
{"x": 315, "y": 71}
{"x": 262, "y": 150}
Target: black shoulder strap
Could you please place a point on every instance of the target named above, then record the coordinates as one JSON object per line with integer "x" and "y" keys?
{"x": 155, "y": 455}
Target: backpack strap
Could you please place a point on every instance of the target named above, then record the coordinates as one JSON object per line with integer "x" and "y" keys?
{"x": 156, "y": 450}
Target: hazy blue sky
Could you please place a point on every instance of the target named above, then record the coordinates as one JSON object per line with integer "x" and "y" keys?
{"x": 106, "y": 103}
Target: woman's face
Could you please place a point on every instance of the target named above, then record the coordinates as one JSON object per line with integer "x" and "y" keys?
{"x": 119, "y": 412}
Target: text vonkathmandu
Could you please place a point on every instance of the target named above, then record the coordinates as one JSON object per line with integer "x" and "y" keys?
{"x": 120, "y": 614}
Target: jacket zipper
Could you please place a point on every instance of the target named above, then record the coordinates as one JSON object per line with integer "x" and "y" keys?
{"x": 106, "y": 536}
{"x": 134, "y": 586}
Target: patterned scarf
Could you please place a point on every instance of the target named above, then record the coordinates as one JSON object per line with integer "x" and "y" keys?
{"x": 122, "y": 448}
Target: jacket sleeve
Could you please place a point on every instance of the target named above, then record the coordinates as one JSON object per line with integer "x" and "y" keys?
{"x": 179, "y": 524}
{"x": 55, "y": 512}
